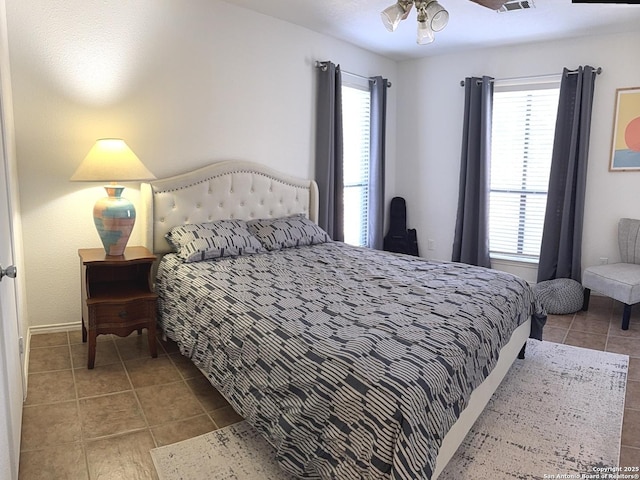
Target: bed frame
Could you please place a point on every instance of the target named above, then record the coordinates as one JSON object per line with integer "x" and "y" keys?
{"x": 245, "y": 190}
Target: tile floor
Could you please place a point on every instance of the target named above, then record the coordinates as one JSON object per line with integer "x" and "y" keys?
{"x": 101, "y": 423}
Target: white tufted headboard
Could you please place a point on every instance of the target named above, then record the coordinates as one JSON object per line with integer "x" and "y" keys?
{"x": 223, "y": 190}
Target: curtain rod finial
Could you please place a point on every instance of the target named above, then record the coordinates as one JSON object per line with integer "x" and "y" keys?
{"x": 322, "y": 65}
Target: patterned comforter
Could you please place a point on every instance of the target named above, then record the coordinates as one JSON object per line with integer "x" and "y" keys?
{"x": 353, "y": 363}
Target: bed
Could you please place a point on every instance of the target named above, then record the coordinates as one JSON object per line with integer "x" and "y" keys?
{"x": 352, "y": 363}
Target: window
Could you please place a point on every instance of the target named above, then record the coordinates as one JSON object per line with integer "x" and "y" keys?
{"x": 524, "y": 118}
{"x": 356, "y": 121}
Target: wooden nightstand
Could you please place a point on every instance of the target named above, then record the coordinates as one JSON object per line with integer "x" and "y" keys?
{"x": 117, "y": 297}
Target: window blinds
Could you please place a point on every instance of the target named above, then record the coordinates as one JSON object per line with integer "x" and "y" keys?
{"x": 356, "y": 121}
{"x": 524, "y": 118}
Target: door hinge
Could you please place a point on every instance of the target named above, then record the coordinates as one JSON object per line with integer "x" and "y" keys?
{"x": 21, "y": 345}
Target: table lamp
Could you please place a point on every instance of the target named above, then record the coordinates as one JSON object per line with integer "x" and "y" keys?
{"x": 111, "y": 160}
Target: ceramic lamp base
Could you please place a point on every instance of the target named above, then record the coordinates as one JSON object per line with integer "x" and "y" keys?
{"x": 114, "y": 218}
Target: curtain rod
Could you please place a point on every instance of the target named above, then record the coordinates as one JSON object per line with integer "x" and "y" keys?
{"x": 597, "y": 71}
{"x": 323, "y": 66}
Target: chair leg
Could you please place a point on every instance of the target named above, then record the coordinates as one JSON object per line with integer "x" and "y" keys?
{"x": 585, "y": 301}
{"x": 626, "y": 315}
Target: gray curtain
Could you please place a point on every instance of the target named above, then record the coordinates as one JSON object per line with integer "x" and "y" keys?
{"x": 561, "y": 250}
{"x": 471, "y": 241}
{"x": 379, "y": 87}
{"x": 328, "y": 166}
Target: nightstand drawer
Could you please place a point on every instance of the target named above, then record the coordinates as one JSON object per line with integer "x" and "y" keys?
{"x": 123, "y": 312}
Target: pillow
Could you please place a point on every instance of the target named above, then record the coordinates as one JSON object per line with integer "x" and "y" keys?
{"x": 285, "y": 232}
{"x": 204, "y": 241}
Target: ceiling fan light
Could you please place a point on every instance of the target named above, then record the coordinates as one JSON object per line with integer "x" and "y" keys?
{"x": 425, "y": 33}
{"x": 393, "y": 15}
{"x": 438, "y": 16}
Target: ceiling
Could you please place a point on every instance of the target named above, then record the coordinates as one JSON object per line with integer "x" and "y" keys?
{"x": 470, "y": 25}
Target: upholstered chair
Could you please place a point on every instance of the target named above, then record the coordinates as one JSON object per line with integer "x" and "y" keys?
{"x": 620, "y": 281}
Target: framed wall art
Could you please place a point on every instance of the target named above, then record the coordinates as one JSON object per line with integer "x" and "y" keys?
{"x": 625, "y": 143}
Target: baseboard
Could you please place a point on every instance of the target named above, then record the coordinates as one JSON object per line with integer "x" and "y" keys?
{"x": 58, "y": 327}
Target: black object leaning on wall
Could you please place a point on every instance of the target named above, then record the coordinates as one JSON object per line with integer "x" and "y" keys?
{"x": 399, "y": 239}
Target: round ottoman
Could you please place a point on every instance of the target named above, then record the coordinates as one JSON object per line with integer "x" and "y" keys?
{"x": 560, "y": 295}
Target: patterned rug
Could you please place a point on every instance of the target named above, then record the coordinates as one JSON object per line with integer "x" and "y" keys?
{"x": 558, "y": 412}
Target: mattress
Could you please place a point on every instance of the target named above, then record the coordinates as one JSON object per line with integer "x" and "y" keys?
{"x": 353, "y": 363}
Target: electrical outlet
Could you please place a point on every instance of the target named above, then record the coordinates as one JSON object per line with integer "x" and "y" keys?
{"x": 431, "y": 244}
{"x": 604, "y": 260}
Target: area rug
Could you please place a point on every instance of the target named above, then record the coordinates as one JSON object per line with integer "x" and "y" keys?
{"x": 559, "y": 412}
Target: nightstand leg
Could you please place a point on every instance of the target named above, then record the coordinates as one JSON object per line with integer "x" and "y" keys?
{"x": 91, "y": 353}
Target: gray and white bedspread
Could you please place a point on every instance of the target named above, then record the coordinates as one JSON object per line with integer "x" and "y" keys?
{"x": 353, "y": 363}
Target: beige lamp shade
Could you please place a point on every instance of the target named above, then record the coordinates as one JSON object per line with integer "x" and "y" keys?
{"x": 111, "y": 160}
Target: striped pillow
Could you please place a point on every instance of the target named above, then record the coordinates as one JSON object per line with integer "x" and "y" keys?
{"x": 286, "y": 232}
{"x": 205, "y": 241}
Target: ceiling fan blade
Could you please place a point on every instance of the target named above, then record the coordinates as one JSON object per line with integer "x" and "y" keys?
{"x": 492, "y": 4}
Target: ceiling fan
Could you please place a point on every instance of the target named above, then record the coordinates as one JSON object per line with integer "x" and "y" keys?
{"x": 432, "y": 17}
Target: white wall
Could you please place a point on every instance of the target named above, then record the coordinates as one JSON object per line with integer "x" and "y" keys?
{"x": 183, "y": 82}
{"x": 186, "y": 83}
{"x": 430, "y": 106}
